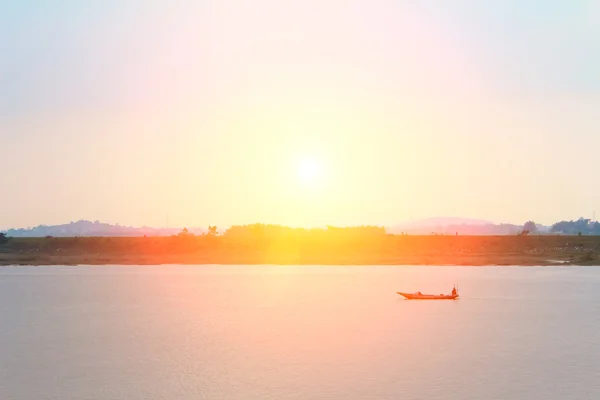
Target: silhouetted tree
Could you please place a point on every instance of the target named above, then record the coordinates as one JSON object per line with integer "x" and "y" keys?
{"x": 184, "y": 233}
{"x": 212, "y": 231}
{"x": 3, "y": 238}
{"x": 530, "y": 227}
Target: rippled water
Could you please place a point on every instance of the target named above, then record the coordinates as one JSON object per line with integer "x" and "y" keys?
{"x": 265, "y": 332}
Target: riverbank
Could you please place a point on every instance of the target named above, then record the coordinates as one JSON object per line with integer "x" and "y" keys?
{"x": 379, "y": 250}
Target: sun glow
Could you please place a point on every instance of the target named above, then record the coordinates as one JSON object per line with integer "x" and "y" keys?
{"x": 309, "y": 171}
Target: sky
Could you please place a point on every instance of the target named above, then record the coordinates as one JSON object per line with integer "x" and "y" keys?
{"x": 303, "y": 113}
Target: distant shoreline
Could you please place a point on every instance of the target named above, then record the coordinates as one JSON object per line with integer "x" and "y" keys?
{"x": 368, "y": 250}
{"x": 297, "y": 265}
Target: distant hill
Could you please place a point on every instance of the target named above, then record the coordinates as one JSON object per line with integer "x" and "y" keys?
{"x": 89, "y": 228}
{"x": 444, "y": 221}
{"x": 452, "y": 225}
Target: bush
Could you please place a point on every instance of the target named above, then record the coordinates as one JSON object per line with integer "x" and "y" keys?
{"x": 3, "y": 238}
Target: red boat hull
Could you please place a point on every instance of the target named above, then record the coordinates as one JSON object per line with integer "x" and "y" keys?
{"x": 417, "y": 296}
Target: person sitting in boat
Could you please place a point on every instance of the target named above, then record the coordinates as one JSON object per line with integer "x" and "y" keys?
{"x": 454, "y": 291}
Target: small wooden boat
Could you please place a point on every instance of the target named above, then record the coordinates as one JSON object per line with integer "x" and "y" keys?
{"x": 421, "y": 296}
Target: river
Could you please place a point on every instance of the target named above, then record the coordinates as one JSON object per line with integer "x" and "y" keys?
{"x": 306, "y": 332}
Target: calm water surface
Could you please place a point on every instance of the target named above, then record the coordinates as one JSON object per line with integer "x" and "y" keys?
{"x": 198, "y": 332}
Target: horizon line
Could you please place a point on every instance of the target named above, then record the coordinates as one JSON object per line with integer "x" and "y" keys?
{"x": 481, "y": 222}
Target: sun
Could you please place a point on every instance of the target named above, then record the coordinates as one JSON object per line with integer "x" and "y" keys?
{"x": 309, "y": 171}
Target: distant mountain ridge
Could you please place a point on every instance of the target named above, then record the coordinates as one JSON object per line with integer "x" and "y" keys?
{"x": 445, "y": 221}
{"x": 462, "y": 226}
{"x": 96, "y": 228}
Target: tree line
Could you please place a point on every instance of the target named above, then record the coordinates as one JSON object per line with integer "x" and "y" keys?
{"x": 582, "y": 226}
{"x": 269, "y": 231}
